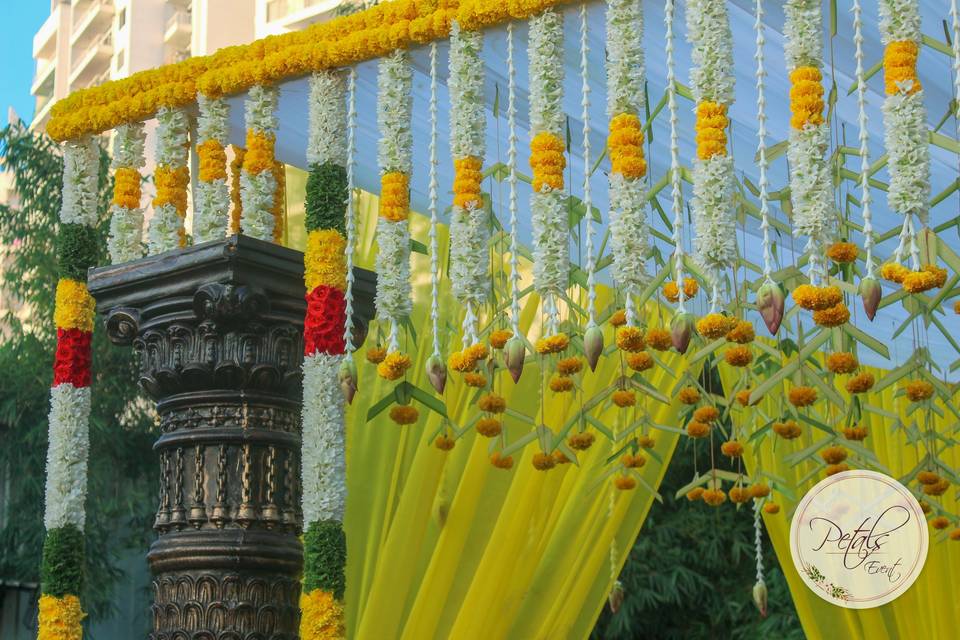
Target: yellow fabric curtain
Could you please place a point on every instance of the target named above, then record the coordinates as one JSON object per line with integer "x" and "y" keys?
{"x": 927, "y": 610}
{"x": 444, "y": 545}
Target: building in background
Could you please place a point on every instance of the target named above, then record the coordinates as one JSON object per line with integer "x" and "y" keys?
{"x": 280, "y": 16}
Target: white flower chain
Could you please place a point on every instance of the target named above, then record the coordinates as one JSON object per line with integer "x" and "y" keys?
{"x": 434, "y": 185}
{"x": 955, "y": 23}
{"x": 173, "y": 130}
{"x": 67, "y": 454}
{"x": 512, "y": 182}
{"x": 323, "y": 469}
{"x": 587, "y": 200}
{"x": 676, "y": 204}
{"x": 757, "y": 534}
{"x": 327, "y": 113}
{"x": 350, "y": 218}
{"x": 257, "y": 191}
{"x": 761, "y": 73}
{"x": 125, "y": 241}
{"x": 865, "y": 197}
{"x": 212, "y": 198}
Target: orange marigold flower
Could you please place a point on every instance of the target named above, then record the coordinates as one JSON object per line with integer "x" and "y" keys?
{"x": 759, "y": 490}
{"x": 834, "y": 454}
{"x": 477, "y": 380}
{"x": 646, "y": 442}
{"x": 739, "y": 356}
{"x": 842, "y": 362}
{"x": 742, "y": 332}
{"x": 956, "y": 307}
{"x": 553, "y": 344}
{"x": 955, "y": 534}
{"x": 695, "y": 494}
{"x": 659, "y": 339}
{"x": 543, "y": 461}
{"x": 376, "y": 355}
{"x": 715, "y": 325}
{"x": 492, "y": 403}
{"x": 917, "y": 390}
{"x": 498, "y": 339}
{"x": 860, "y": 383}
{"x": 743, "y": 397}
{"x": 569, "y": 366}
{"x": 633, "y": 462}
{"x": 835, "y": 316}
{"x": 706, "y": 414}
{"x": 688, "y": 395}
{"x": 404, "y": 414}
{"x": 444, "y": 442}
{"x": 581, "y": 441}
{"x": 833, "y": 469}
{"x": 739, "y": 495}
{"x": 619, "y": 318}
{"x": 928, "y": 477}
{"x": 560, "y": 457}
{"x": 771, "y": 508}
{"x": 489, "y": 427}
{"x": 894, "y": 272}
{"x": 788, "y": 430}
{"x": 940, "y": 522}
{"x": 561, "y": 384}
{"x": 842, "y": 252}
{"x": 732, "y": 448}
{"x": 672, "y": 292}
{"x": 624, "y": 482}
{"x": 939, "y": 275}
{"x": 814, "y": 298}
{"x": 630, "y": 339}
{"x": 624, "y": 398}
{"x": 501, "y": 462}
{"x": 714, "y": 497}
{"x": 640, "y": 361}
{"x": 802, "y": 396}
{"x": 938, "y": 488}
{"x": 856, "y": 434}
{"x": 394, "y": 366}
{"x": 698, "y": 429}
{"x": 919, "y": 281}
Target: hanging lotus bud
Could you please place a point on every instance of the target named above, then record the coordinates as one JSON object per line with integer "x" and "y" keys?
{"x": 514, "y": 353}
{"x": 437, "y": 373}
{"x": 347, "y": 376}
{"x": 616, "y": 596}
{"x": 593, "y": 346}
{"x": 870, "y": 293}
{"x": 760, "y": 597}
{"x": 682, "y": 328}
{"x": 770, "y": 301}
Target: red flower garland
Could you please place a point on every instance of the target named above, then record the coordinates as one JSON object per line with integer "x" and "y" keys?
{"x": 72, "y": 361}
{"x": 324, "y": 322}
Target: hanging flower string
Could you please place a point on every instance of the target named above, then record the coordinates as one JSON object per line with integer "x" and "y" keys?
{"x": 258, "y": 182}
{"x": 62, "y": 569}
{"x": 350, "y": 222}
{"x": 324, "y": 451}
{"x": 676, "y": 204}
{"x": 125, "y": 242}
{"x": 213, "y": 194}
{"x": 172, "y": 178}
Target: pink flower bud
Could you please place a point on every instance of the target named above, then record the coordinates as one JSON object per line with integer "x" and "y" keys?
{"x": 870, "y": 293}
{"x": 770, "y": 302}
{"x": 760, "y": 597}
{"x": 616, "y": 596}
{"x": 682, "y": 328}
{"x": 514, "y": 353}
{"x": 347, "y": 376}
{"x": 593, "y": 346}
{"x": 437, "y": 373}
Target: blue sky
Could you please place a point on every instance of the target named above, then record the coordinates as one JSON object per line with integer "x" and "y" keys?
{"x": 21, "y": 21}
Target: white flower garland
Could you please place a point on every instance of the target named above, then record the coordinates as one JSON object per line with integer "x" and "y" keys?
{"x": 67, "y": 454}
{"x": 513, "y": 204}
{"x": 257, "y": 191}
{"x": 173, "y": 129}
{"x": 708, "y": 30}
{"x": 324, "y": 466}
{"x": 350, "y": 223}
{"x": 591, "y": 265}
{"x": 325, "y": 140}
{"x": 213, "y": 198}
{"x": 900, "y": 20}
{"x": 548, "y": 213}
{"x": 81, "y": 164}
{"x": 625, "y": 62}
{"x": 125, "y": 241}
{"x": 866, "y": 199}
{"x": 434, "y": 197}
{"x": 763, "y": 163}
{"x": 393, "y": 270}
{"x": 469, "y": 235}
{"x": 676, "y": 204}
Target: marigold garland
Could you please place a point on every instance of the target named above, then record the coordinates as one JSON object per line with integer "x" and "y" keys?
{"x": 125, "y": 242}
{"x": 322, "y": 616}
{"x": 60, "y": 618}
{"x": 212, "y": 191}
{"x": 842, "y": 362}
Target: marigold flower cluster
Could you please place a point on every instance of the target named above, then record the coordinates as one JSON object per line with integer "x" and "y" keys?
{"x": 394, "y": 366}
{"x": 547, "y": 161}
{"x": 697, "y": 429}
{"x": 467, "y": 176}
{"x": 659, "y": 339}
{"x": 711, "y": 126}
{"x": 802, "y": 396}
{"x": 625, "y": 483}
{"x": 806, "y": 97}
{"x": 688, "y": 395}
{"x": 834, "y": 316}
{"x": 499, "y": 338}
{"x": 842, "y": 252}
{"x": 732, "y": 449}
{"x": 630, "y": 339}
{"x": 860, "y": 383}
{"x": 581, "y": 441}
{"x": 492, "y": 403}
{"x": 126, "y": 188}
{"x": 918, "y": 390}
{"x": 715, "y": 325}
{"x": 624, "y": 398}
{"x": 640, "y": 361}
{"x": 932, "y": 483}
{"x": 404, "y": 414}
{"x": 569, "y": 366}
{"x": 672, "y": 292}
{"x": 714, "y": 497}
{"x": 543, "y": 461}
{"x": 738, "y": 356}
{"x": 842, "y": 362}
{"x": 834, "y": 454}
{"x": 742, "y": 333}
{"x": 856, "y": 434}
{"x": 500, "y": 461}
{"x": 553, "y": 344}
{"x": 631, "y": 461}
{"x": 813, "y": 298}
{"x": 394, "y": 196}
{"x": 900, "y": 67}
{"x": 466, "y": 360}
{"x": 739, "y": 495}
{"x": 788, "y": 430}
{"x": 561, "y": 384}
{"x": 625, "y": 144}
{"x": 489, "y": 427}
{"x": 619, "y": 318}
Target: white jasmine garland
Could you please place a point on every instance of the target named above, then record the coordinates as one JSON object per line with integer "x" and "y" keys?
{"x": 212, "y": 198}
{"x": 125, "y": 242}
{"x": 328, "y": 113}
{"x": 468, "y": 254}
{"x": 129, "y": 147}
{"x": 260, "y": 109}
{"x": 213, "y": 121}
{"x": 393, "y": 270}
{"x": 714, "y": 223}
{"x": 81, "y": 172}
{"x": 550, "y": 243}
{"x": 708, "y": 30}
{"x": 173, "y": 128}
{"x": 67, "y": 454}
{"x": 164, "y": 232}
{"x": 629, "y": 234}
{"x": 804, "y": 33}
{"x": 256, "y": 196}
{"x": 625, "y": 63}
{"x": 545, "y": 53}
{"x": 899, "y": 20}
{"x": 324, "y": 465}
{"x": 811, "y": 188}
{"x": 394, "y": 112}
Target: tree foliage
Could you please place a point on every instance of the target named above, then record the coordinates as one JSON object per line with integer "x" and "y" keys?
{"x": 121, "y": 490}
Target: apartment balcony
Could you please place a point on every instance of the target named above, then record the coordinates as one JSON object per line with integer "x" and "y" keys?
{"x": 179, "y": 29}
{"x": 93, "y": 21}
{"x": 45, "y": 40}
{"x": 90, "y": 63}
{"x": 42, "y": 114}
{"x": 44, "y": 78}
{"x": 293, "y": 15}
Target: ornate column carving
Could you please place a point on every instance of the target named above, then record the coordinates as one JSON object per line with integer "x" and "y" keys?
{"x": 218, "y": 328}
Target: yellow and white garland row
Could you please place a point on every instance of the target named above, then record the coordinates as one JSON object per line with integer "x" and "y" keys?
{"x": 810, "y": 184}
{"x": 711, "y": 79}
{"x": 213, "y": 193}
{"x": 125, "y": 241}
{"x": 258, "y": 185}
{"x": 172, "y": 177}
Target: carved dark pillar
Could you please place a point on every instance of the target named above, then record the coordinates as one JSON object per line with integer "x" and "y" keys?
{"x": 219, "y": 332}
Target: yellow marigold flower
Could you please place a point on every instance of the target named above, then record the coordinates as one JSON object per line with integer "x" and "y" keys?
{"x": 625, "y": 482}
{"x": 492, "y": 403}
{"x": 894, "y": 272}
{"x": 466, "y": 182}
{"x": 856, "y": 434}
{"x": 842, "y": 252}
{"x": 688, "y": 395}
{"x": 955, "y": 534}
{"x": 489, "y": 427}
{"x": 325, "y": 260}
{"x": 714, "y": 497}
{"x": 60, "y": 618}
{"x": 938, "y": 488}
{"x": 501, "y": 462}
{"x": 940, "y": 275}
{"x": 834, "y": 455}
{"x": 771, "y": 508}
{"x": 444, "y": 442}
{"x": 806, "y": 97}
{"x": 553, "y": 344}
{"x": 742, "y": 332}
{"x": 860, "y": 383}
{"x": 543, "y": 461}
{"x": 624, "y": 398}
{"x": 759, "y": 490}
{"x": 477, "y": 351}
{"x": 788, "y": 430}
{"x": 640, "y": 361}
{"x": 732, "y": 448}
{"x": 498, "y": 339}
{"x": 919, "y": 281}
{"x": 659, "y": 339}
{"x": 619, "y": 318}
{"x": 739, "y": 356}
{"x": 698, "y": 429}
{"x": 743, "y": 397}
{"x": 395, "y": 196}
{"x": 459, "y": 362}
{"x": 322, "y": 616}
{"x": 376, "y": 355}
{"x": 739, "y": 495}
{"x": 631, "y": 339}
{"x": 561, "y": 384}
{"x": 560, "y": 457}
{"x": 126, "y": 188}
{"x": 940, "y": 522}
{"x": 917, "y": 390}
{"x": 212, "y": 160}
{"x": 842, "y": 362}
{"x": 646, "y": 442}
{"x": 706, "y": 414}
{"x": 833, "y": 469}
{"x": 74, "y": 307}
{"x": 581, "y": 441}
{"x": 260, "y": 152}
{"x": 715, "y": 325}
{"x": 672, "y": 292}
{"x": 695, "y": 494}
{"x": 625, "y": 145}
{"x": 171, "y": 184}
{"x": 569, "y": 366}
{"x": 394, "y": 366}
{"x": 802, "y": 396}
{"x": 404, "y": 414}
{"x": 547, "y": 161}
{"x": 814, "y": 298}
{"x": 477, "y": 380}
{"x": 833, "y": 317}
{"x": 711, "y": 124}
{"x": 900, "y": 67}
{"x": 928, "y": 477}
{"x": 956, "y": 307}
{"x": 632, "y": 461}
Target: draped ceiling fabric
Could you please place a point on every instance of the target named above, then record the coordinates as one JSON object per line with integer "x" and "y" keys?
{"x": 928, "y": 609}
{"x": 444, "y": 545}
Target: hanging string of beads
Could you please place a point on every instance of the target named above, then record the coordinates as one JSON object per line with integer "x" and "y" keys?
{"x": 213, "y": 194}
{"x": 172, "y": 178}
{"x": 676, "y": 204}
{"x": 350, "y": 221}
{"x": 125, "y": 241}
{"x": 587, "y": 196}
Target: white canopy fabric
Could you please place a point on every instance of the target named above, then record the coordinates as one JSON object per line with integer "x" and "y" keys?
{"x": 934, "y": 71}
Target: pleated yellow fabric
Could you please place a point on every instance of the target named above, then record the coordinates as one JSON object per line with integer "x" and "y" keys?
{"x": 927, "y": 610}
{"x": 444, "y": 545}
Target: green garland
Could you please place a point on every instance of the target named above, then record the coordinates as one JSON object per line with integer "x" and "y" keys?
{"x": 325, "y": 551}
{"x": 326, "y": 197}
{"x": 61, "y": 571}
{"x": 77, "y": 250}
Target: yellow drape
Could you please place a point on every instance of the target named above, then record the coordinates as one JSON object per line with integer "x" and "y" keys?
{"x": 444, "y": 545}
{"x": 927, "y": 610}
